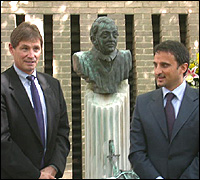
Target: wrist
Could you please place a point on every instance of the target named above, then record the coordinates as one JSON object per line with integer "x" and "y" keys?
{"x": 53, "y": 166}
{"x": 54, "y": 170}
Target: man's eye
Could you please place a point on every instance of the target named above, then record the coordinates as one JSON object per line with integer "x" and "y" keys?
{"x": 115, "y": 34}
{"x": 165, "y": 65}
{"x": 36, "y": 49}
{"x": 24, "y": 48}
{"x": 104, "y": 36}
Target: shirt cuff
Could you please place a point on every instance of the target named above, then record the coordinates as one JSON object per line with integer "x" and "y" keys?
{"x": 159, "y": 177}
{"x": 54, "y": 167}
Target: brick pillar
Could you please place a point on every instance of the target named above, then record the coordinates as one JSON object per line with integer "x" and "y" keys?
{"x": 7, "y": 26}
{"x": 86, "y": 21}
{"x": 143, "y": 52}
{"x": 62, "y": 69}
{"x": 193, "y": 34}
{"x": 169, "y": 27}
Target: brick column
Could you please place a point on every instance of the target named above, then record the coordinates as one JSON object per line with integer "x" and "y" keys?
{"x": 7, "y": 26}
{"x": 62, "y": 69}
{"x": 86, "y": 21}
{"x": 143, "y": 52}
{"x": 169, "y": 27}
{"x": 193, "y": 34}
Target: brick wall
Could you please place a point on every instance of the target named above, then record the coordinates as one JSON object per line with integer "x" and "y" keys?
{"x": 88, "y": 10}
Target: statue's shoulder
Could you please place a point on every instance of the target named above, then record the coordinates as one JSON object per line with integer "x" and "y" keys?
{"x": 82, "y": 55}
{"x": 125, "y": 54}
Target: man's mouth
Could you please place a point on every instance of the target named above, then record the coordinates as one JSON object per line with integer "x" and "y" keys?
{"x": 110, "y": 45}
{"x": 30, "y": 62}
{"x": 160, "y": 77}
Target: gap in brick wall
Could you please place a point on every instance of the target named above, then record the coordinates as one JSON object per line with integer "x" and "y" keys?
{"x": 19, "y": 19}
{"x": 48, "y": 44}
{"x": 129, "y": 19}
{"x": 76, "y": 102}
{"x": 156, "y": 32}
{"x": 183, "y": 27}
{"x": 156, "y": 29}
{"x": 101, "y": 15}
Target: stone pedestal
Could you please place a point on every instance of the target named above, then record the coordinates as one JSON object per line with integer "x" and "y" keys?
{"x": 107, "y": 117}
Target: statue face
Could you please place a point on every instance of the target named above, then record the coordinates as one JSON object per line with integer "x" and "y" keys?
{"x": 106, "y": 38}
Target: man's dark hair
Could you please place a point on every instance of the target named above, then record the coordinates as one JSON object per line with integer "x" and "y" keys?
{"x": 25, "y": 32}
{"x": 177, "y": 49}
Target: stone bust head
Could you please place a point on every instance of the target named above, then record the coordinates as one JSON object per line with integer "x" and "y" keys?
{"x": 104, "y": 34}
{"x": 104, "y": 66}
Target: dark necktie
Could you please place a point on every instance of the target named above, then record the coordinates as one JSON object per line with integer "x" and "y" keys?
{"x": 38, "y": 109}
{"x": 170, "y": 113}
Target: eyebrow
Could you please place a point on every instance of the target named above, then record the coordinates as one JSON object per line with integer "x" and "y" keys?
{"x": 28, "y": 45}
{"x": 107, "y": 31}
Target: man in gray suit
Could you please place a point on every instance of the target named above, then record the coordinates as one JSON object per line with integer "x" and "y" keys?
{"x": 156, "y": 152}
{"x": 23, "y": 153}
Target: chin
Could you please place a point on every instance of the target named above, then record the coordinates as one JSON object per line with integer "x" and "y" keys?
{"x": 160, "y": 84}
{"x": 109, "y": 52}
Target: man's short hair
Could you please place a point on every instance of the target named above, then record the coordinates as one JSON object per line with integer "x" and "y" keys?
{"x": 176, "y": 48}
{"x": 25, "y": 32}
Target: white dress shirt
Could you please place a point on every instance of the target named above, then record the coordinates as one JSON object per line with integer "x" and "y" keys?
{"x": 176, "y": 101}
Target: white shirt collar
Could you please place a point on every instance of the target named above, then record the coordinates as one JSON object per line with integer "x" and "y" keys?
{"x": 22, "y": 74}
{"x": 179, "y": 91}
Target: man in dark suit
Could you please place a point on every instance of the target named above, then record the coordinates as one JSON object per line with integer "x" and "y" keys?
{"x": 104, "y": 67}
{"x": 23, "y": 155}
{"x": 156, "y": 152}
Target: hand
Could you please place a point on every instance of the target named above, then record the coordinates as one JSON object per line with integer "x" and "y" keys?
{"x": 48, "y": 173}
{"x": 45, "y": 175}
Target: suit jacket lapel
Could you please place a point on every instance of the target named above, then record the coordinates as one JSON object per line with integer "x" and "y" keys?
{"x": 23, "y": 101}
{"x": 157, "y": 109}
{"x": 188, "y": 105}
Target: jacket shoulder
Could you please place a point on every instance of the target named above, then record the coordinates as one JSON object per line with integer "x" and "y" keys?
{"x": 7, "y": 74}
{"x": 150, "y": 95}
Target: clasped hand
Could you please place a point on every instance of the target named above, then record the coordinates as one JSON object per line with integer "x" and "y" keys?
{"x": 48, "y": 173}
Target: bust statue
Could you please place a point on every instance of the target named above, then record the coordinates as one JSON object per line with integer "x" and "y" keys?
{"x": 104, "y": 66}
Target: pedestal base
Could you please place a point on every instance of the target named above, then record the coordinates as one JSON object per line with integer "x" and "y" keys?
{"x": 107, "y": 117}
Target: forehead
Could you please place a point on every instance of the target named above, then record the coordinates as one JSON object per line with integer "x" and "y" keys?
{"x": 31, "y": 42}
{"x": 106, "y": 27}
{"x": 164, "y": 56}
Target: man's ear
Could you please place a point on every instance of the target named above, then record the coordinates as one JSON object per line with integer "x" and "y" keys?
{"x": 94, "y": 41}
{"x": 184, "y": 67}
{"x": 11, "y": 48}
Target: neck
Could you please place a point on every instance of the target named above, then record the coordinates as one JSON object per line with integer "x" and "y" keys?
{"x": 109, "y": 57}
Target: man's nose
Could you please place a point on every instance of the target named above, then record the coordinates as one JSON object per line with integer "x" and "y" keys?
{"x": 112, "y": 38}
{"x": 31, "y": 53}
{"x": 157, "y": 70}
